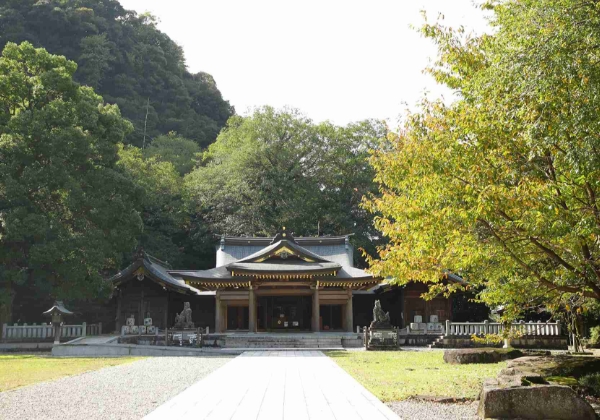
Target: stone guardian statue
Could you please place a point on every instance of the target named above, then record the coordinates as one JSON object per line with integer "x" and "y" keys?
{"x": 380, "y": 319}
{"x": 184, "y": 319}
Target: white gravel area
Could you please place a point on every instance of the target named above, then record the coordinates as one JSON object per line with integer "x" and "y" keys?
{"x": 419, "y": 410}
{"x": 128, "y": 391}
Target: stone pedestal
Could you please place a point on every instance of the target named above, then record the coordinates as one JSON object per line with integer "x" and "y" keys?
{"x": 382, "y": 339}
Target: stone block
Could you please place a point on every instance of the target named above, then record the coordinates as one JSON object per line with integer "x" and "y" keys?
{"x": 434, "y": 326}
{"x": 534, "y": 402}
{"x": 467, "y": 356}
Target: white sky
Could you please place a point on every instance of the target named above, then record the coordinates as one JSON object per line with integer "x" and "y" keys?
{"x": 337, "y": 60}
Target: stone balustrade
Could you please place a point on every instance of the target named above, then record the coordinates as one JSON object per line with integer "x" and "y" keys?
{"x": 44, "y": 331}
{"x": 524, "y": 328}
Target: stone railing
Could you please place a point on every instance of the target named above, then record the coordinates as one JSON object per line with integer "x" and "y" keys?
{"x": 524, "y": 328}
{"x": 45, "y": 331}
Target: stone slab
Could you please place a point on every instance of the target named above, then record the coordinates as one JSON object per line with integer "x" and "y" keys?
{"x": 534, "y": 402}
{"x": 276, "y": 385}
{"x": 25, "y": 346}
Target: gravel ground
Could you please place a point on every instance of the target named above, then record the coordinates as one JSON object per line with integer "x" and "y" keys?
{"x": 123, "y": 392}
{"x": 419, "y": 410}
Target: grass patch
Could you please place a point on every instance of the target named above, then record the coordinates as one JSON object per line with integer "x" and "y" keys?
{"x": 20, "y": 370}
{"x": 394, "y": 376}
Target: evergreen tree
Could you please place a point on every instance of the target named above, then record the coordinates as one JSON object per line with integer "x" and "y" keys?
{"x": 66, "y": 211}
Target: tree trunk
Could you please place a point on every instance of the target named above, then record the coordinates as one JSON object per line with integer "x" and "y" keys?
{"x": 576, "y": 333}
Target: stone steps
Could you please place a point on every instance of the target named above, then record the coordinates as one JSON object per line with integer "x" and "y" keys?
{"x": 437, "y": 343}
{"x": 291, "y": 342}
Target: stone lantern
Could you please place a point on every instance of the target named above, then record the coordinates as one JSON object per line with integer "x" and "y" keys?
{"x": 57, "y": 312}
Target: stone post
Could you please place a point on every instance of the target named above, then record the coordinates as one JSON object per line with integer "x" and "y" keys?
{"x": 349, "y": 313}
{"x": 316, "y": 310}
{"x": 251, "y": 310}
{"x": 57, "y": 328}
{"x": 99, "y": 328}
{"x": 83, "y": 329}
{"x": 486, "y": 327}
{"x": 4, "y": 329}
{"x": 448, "y": 325}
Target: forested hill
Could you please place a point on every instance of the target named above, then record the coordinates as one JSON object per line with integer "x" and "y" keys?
{"x": 127, "y": 60}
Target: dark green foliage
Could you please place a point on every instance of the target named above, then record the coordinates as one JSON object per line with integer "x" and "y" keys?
{"x": 592, "y": 381}
{"x": 66, "y": 212}
{"x": 127, "y": 60}
{"x": 169, "y": 233}
{"x": 278, "y": 168}
{"x": 181, "y": 152}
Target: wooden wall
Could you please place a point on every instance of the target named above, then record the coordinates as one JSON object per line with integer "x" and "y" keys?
{"x": 139, "y": 297}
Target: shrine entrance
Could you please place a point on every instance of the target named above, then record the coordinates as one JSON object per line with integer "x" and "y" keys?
{"x": 284, "y": 313}
{"x": 237, "y": 318}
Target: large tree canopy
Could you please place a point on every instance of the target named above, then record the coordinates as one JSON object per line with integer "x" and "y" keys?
{"x": 278, "y": 168}
{"x": 502, "y": 185}
{"x": 170, "y": 232}
{"x": 66, "y": 212}
{"x": 183, "y": 153}
{"x": 127, "y": 60}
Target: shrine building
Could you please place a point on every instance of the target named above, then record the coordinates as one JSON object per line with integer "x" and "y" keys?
{"x": 277, "y": 284}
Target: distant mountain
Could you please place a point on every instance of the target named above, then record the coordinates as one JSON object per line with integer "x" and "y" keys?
{"x": 127, "y": 60}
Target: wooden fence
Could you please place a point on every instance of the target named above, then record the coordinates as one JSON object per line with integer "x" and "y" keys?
{"x": 44, "y": 331}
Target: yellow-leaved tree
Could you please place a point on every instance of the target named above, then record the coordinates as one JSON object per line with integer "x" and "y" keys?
{"x": 502, "y": 185}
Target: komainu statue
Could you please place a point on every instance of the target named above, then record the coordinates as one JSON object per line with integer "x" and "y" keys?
{"x": 184, "y": 319}
{"x": 380, "y": 319}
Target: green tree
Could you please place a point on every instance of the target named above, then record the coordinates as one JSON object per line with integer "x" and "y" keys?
{"x": 127, "y": 60}
{"x": 502, "y": 185}
{"x": 161, "y": 204}
{"x": 278, "y": 168}
{"x": 66, "y": 212}
{"x": 181, "y": 152}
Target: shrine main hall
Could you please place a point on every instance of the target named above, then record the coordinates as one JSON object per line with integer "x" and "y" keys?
{"x": 278, "y": 284}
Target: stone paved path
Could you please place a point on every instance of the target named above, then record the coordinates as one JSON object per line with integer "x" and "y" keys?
{"x": 273, "y": 385}
{"x": 98, "y": 339}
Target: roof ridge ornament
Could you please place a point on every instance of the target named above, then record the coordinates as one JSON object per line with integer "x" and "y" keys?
{"x": 283, "y": 235}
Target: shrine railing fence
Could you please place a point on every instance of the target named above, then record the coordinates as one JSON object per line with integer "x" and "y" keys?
{"x": 44, "y": 331}
{"x": 523, "y": 328}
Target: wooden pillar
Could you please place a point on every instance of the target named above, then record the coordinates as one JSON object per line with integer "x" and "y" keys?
{"x": 349, "y": 313}
{"x": 118, "y": 319}
{"x": 140, "y": 320}
{"x": 218, "y": 315}
{"x": 251, "y": 310}
{"x": 316, "y": 310}
{"x": 166, "y": 317}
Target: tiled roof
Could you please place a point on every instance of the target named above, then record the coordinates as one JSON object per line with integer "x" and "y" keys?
{"x": 158, "y": 272}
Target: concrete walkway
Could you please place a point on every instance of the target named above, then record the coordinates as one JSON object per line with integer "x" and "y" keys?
{"x": 274, "y": 385}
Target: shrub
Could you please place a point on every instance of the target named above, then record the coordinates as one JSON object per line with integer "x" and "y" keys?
{"x": 592, "y": 381}
{"x": 487, "y": 339}
{"x": 595, "y": 336}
